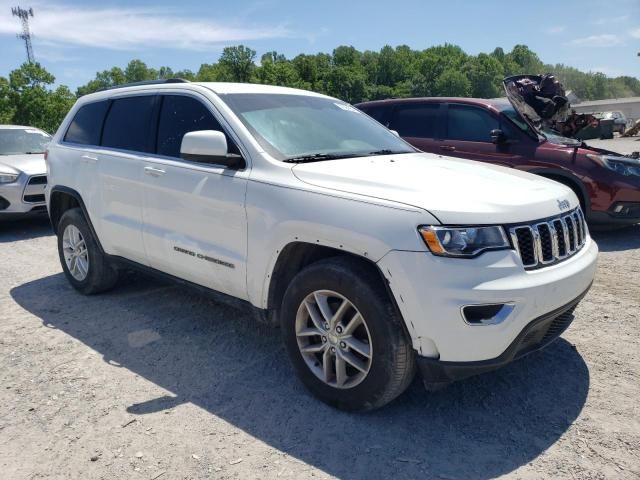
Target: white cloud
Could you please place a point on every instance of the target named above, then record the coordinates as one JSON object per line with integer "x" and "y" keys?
{"x": 131, "y": 28}
{"x": 602, "y": 40}
{"x": 555, "y": 29}
{"x": 635, "y": 33}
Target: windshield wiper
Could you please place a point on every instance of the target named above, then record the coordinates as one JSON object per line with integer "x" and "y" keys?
{"x": 386, "y": 151}
{"x": 316, "y": 157}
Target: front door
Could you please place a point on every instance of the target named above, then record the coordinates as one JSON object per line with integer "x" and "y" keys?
{"x": 195, "y": 225}
{"x": 468, "y": 135}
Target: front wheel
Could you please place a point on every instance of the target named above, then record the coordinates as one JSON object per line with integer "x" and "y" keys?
{"x": 344, "y": 336}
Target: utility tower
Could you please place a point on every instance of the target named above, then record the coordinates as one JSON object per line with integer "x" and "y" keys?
{"x": 23, "y": 15}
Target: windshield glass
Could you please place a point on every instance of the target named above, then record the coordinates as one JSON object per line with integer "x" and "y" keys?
{"x": 555, "y": 137}
{"x": 294, "y": 126}
{"x": 15, "y": 141}
{"x": 517, "y": 120}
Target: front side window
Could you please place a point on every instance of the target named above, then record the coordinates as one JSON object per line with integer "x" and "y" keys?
{"x": 180, "y": 115}
{"x": 86, "y": 126}
{"x": 128, "y": 124}
{"x": 471, "y": 124}
{"x": 293, "y": 126}
{"x": 417, "y": 121}
{"x": 16, "y": 141}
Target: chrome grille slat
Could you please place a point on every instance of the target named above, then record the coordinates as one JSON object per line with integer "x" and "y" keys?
{"x": 550, "y": 241}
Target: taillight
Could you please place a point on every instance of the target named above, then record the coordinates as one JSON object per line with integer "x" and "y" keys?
{"x": 46, "y": 154}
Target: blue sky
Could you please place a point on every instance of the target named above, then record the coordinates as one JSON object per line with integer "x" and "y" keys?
{"x": 75, "y": 39}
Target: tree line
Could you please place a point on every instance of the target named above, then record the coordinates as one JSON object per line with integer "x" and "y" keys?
{"x": 27, "y": 96}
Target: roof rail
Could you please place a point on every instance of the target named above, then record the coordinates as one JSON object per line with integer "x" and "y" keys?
{"x": 146, "y": 82}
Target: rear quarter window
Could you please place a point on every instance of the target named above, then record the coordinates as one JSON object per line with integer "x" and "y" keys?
{"x": 86, "y": 126}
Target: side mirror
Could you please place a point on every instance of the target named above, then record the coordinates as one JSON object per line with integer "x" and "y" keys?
{"x": 209, "y": 146}
{"x": 498, "y": 136}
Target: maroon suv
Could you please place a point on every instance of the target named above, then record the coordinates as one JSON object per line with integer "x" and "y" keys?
{"x": 607, "y": 184}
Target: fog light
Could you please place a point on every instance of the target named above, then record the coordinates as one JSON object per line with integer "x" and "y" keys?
{"x": 487, "y": 314}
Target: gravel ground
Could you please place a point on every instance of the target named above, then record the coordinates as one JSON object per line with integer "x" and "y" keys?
{"x": 154, "y": 382}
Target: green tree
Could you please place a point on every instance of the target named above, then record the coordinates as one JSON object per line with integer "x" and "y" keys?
{"x": 6, "y": 105}
{"x": 452, "y": 83}
{"x": 33, "y": 102}
{"x": 239, "y": 62}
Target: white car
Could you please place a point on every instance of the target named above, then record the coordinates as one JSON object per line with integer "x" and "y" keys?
{"x": 23, "y": 171}
{"x": 373, "y": 257}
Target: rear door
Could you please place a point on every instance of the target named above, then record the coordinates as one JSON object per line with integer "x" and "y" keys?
{"x": 468, "y": 135}
{"x": 420, "y": 124}
{"x": 195, "y": 225}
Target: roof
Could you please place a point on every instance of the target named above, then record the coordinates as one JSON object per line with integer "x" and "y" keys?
{"x": 217, "y": 87}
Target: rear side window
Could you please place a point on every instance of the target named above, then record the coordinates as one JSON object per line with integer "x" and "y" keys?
{"x": 128, "y": 124}
{"x": 180, "y": 115}
{"x": 471, "y": 124}
{"x": 86, "y": 126}
{"x": 418, "y": 121}
{"x": 381, "y": 114}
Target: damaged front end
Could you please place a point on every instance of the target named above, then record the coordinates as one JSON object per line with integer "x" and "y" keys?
{"x": 542, "y": 101}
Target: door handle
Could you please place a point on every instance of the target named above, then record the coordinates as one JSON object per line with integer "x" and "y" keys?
{"x": 448, "y": 148}
{"x": 154, "y": 172}
{"x": 89, "y": 158}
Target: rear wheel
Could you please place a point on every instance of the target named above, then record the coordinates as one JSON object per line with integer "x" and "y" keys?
{"x": 344, "y": 336}
{"x": 83, "y": 262}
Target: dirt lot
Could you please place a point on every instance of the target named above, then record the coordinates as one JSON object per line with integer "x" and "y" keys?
{"x": 153, "y": 382}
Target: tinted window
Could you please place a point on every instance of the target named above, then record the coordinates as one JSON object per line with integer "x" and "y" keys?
{"x": 379, "y": 113}
{"x": 178, "y": 116}
{"x": 470, "y": 123}
{"x": 87, "y": 124}
{"x": 419, "y": 121}
{"x": 128, "y": 124}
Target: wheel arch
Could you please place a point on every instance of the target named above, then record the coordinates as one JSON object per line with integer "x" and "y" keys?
{"x": 571, "y": 181}
{"x": 297, "y": 255}
{"x": 62, "y": 199}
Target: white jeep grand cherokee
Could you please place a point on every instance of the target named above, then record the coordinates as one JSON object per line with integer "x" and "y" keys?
{"x": 373, "y": 257}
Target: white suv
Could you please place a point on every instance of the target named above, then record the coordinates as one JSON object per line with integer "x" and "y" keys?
{"x": 373, "y": 257}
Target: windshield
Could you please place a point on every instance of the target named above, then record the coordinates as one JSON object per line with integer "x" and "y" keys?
{"x": 298, "y": 126}
{"x": 15, "y": 141}
{"x": 555, "y": 137}
{"x": 517, "y": 120}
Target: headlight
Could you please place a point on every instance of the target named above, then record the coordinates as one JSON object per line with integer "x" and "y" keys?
{"x": 463, "y": 241}
{"x": 622, "y": 165}
{"x": 8, "y": 177}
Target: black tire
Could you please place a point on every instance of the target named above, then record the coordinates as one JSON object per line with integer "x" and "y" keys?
{"x": 393, "y": 360}
{"x": 101, "y": 275}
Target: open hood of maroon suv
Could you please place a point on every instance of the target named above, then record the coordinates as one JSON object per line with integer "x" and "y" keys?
{"x": 539, "y": 99}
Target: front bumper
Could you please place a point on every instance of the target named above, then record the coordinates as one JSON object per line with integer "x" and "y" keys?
{"x": 430, "y": 292}
{"x": 23, "y": 197}
{"x": 536, "y": 335}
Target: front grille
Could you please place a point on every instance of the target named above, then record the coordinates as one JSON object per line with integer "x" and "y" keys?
{"x": 545, "y": 332}
{"x": 38, "y": 180}
{"x": 550, "y": 241}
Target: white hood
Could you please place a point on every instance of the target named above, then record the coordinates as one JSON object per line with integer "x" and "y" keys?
{"x": 455, "y": 191}
{"x": 33, "y": 164}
